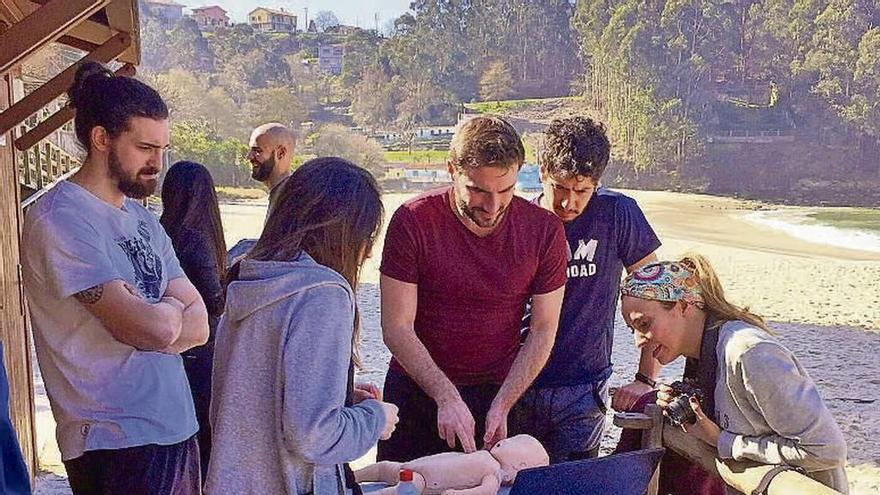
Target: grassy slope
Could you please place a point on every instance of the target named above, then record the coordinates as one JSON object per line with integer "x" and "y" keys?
{"x": 417, "y": 156}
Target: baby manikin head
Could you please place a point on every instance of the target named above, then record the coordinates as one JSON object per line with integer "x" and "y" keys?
{"x": 518, "y": 453}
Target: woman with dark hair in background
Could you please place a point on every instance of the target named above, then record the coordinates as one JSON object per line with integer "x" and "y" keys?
{"x": 283, "y": 395}
{"x": 191, "y": 217}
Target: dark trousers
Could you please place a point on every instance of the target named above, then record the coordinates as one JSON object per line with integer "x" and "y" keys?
{"x": 568, "y": 421}
{"x": 416, "y": 434}
{"x": 14, "y": 478}
{"x": 143, "y": 470}
{"x": 198, "y": 363}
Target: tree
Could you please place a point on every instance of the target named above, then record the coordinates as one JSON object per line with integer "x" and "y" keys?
{"x": 336, "y": 140}
{"x": 154, "y": 45}
{"x": 228, "y": 42}
{"x": 496, "y": 83}
{"x": 361, "y": 47}
{"x": 325, "y": 19}
{"x": 188, "y": 49}
{"x": 374, "y": 99}
{"x": 224, "y": 158}
{"x": 274, "y": 104}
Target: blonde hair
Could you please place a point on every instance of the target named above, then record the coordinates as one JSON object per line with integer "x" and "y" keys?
{"x": 713, "y": 294}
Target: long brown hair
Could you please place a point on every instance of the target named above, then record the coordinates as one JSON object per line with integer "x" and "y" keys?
{"x": 717, "y": 304}
{"x": 331, "y": 209}
{"x": 190, "y": 207}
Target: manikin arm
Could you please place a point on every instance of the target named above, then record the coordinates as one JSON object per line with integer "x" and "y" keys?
{"x": 385, "y": 471}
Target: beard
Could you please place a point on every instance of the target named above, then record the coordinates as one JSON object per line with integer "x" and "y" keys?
{"x": 470, "y": 213}
{"x": 132, "y": 187}
{"x": 263, "y": 170}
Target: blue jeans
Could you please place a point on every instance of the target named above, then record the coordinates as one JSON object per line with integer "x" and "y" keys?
{"x": 568, "y": 421}
{"x": 14, "y": 478}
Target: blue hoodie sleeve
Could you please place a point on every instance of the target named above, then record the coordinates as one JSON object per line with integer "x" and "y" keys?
{"x": 317, "y": 352}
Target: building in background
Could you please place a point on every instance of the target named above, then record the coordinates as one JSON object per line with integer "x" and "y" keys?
{"x": 272, "y": 21}
{"x": 211, "y": 17}
{"x": 330, "y": 59}
{"x": 168, "y": 12}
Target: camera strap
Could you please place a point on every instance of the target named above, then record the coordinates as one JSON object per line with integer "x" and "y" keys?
{"x": 704, "y": 371}
{"x": 768, "y": 477}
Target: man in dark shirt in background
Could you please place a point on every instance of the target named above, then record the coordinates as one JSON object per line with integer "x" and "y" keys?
{"x": 606, "y": 232}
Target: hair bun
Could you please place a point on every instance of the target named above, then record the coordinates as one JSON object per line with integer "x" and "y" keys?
{"x": 87, "y": 75}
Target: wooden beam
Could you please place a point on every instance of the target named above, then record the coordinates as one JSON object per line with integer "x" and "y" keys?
{"x": 77, "y": 43}
{"x": 53, "y": 88}
{"x": 58, "y": 119}
{"x": 122, "y": 16}
{"x": 91, "y": 31}
{"x": 633, "y": 421}
{"x": 11, "y": 11}
{"x": 87, "y": 31}
{"x": 746, "y": 477}
{"x": 41, "y": 27}
{"x": 88, "y": 34}
{"x": 743, "y": 476}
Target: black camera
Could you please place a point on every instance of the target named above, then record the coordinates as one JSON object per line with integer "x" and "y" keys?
{"x": 679, "y": 411}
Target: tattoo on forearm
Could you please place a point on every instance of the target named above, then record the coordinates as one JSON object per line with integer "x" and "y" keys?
{"x": 90, "y": 296}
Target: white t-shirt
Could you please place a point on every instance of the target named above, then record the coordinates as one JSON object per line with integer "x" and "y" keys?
{"x": 104, "y": 394}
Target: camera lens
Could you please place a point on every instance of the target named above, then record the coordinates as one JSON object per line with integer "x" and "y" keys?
{"x": 680, "y": 412}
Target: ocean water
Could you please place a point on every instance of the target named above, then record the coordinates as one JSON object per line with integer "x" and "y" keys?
{"x": 798, "y": 223}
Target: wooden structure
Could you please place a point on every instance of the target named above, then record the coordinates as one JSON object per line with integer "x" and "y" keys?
{"x": 743, "y": 476}
{"x": 107, "y": 31}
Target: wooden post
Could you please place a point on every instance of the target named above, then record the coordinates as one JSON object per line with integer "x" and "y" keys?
{"x": 653, "y": 438}
{"x": 13, "y": 324}
{"x": 41, "y": 181}
{"x": 651, "y": 424}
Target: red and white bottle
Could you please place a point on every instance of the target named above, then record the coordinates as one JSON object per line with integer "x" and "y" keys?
{"x": 405, "y": 485}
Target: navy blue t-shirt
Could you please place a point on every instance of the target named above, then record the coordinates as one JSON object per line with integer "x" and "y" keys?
{"x": 611, "y": 234}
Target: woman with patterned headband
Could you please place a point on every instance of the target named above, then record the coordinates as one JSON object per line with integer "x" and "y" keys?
{"x": 759, "y": 403}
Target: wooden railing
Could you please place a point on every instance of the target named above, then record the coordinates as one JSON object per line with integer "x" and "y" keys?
{"x": 41, "y": 166}
{"x": 743, "y": 476}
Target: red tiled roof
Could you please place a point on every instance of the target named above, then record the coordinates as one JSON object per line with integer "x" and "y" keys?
{"x": 209, "y": 7}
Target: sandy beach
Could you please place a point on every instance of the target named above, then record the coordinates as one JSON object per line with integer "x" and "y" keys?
{"x": 824, "y": 300}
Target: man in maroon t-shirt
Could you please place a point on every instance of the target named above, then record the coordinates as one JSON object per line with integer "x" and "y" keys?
{"x": 458, "y": 267}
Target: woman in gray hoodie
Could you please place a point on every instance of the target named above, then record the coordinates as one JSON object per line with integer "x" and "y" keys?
{"x": 287, "y": 342}
{"x": 760, "y": 404}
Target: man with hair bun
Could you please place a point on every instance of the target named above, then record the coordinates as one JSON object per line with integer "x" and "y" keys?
{"x": 110, "y": 306}
{"x": 607, "y": 233}
{"x": 459, "y": 265}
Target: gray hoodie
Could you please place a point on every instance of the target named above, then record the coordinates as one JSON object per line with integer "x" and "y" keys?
{"x": 281, "y": 365}
{"x": 769, "y": 409}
